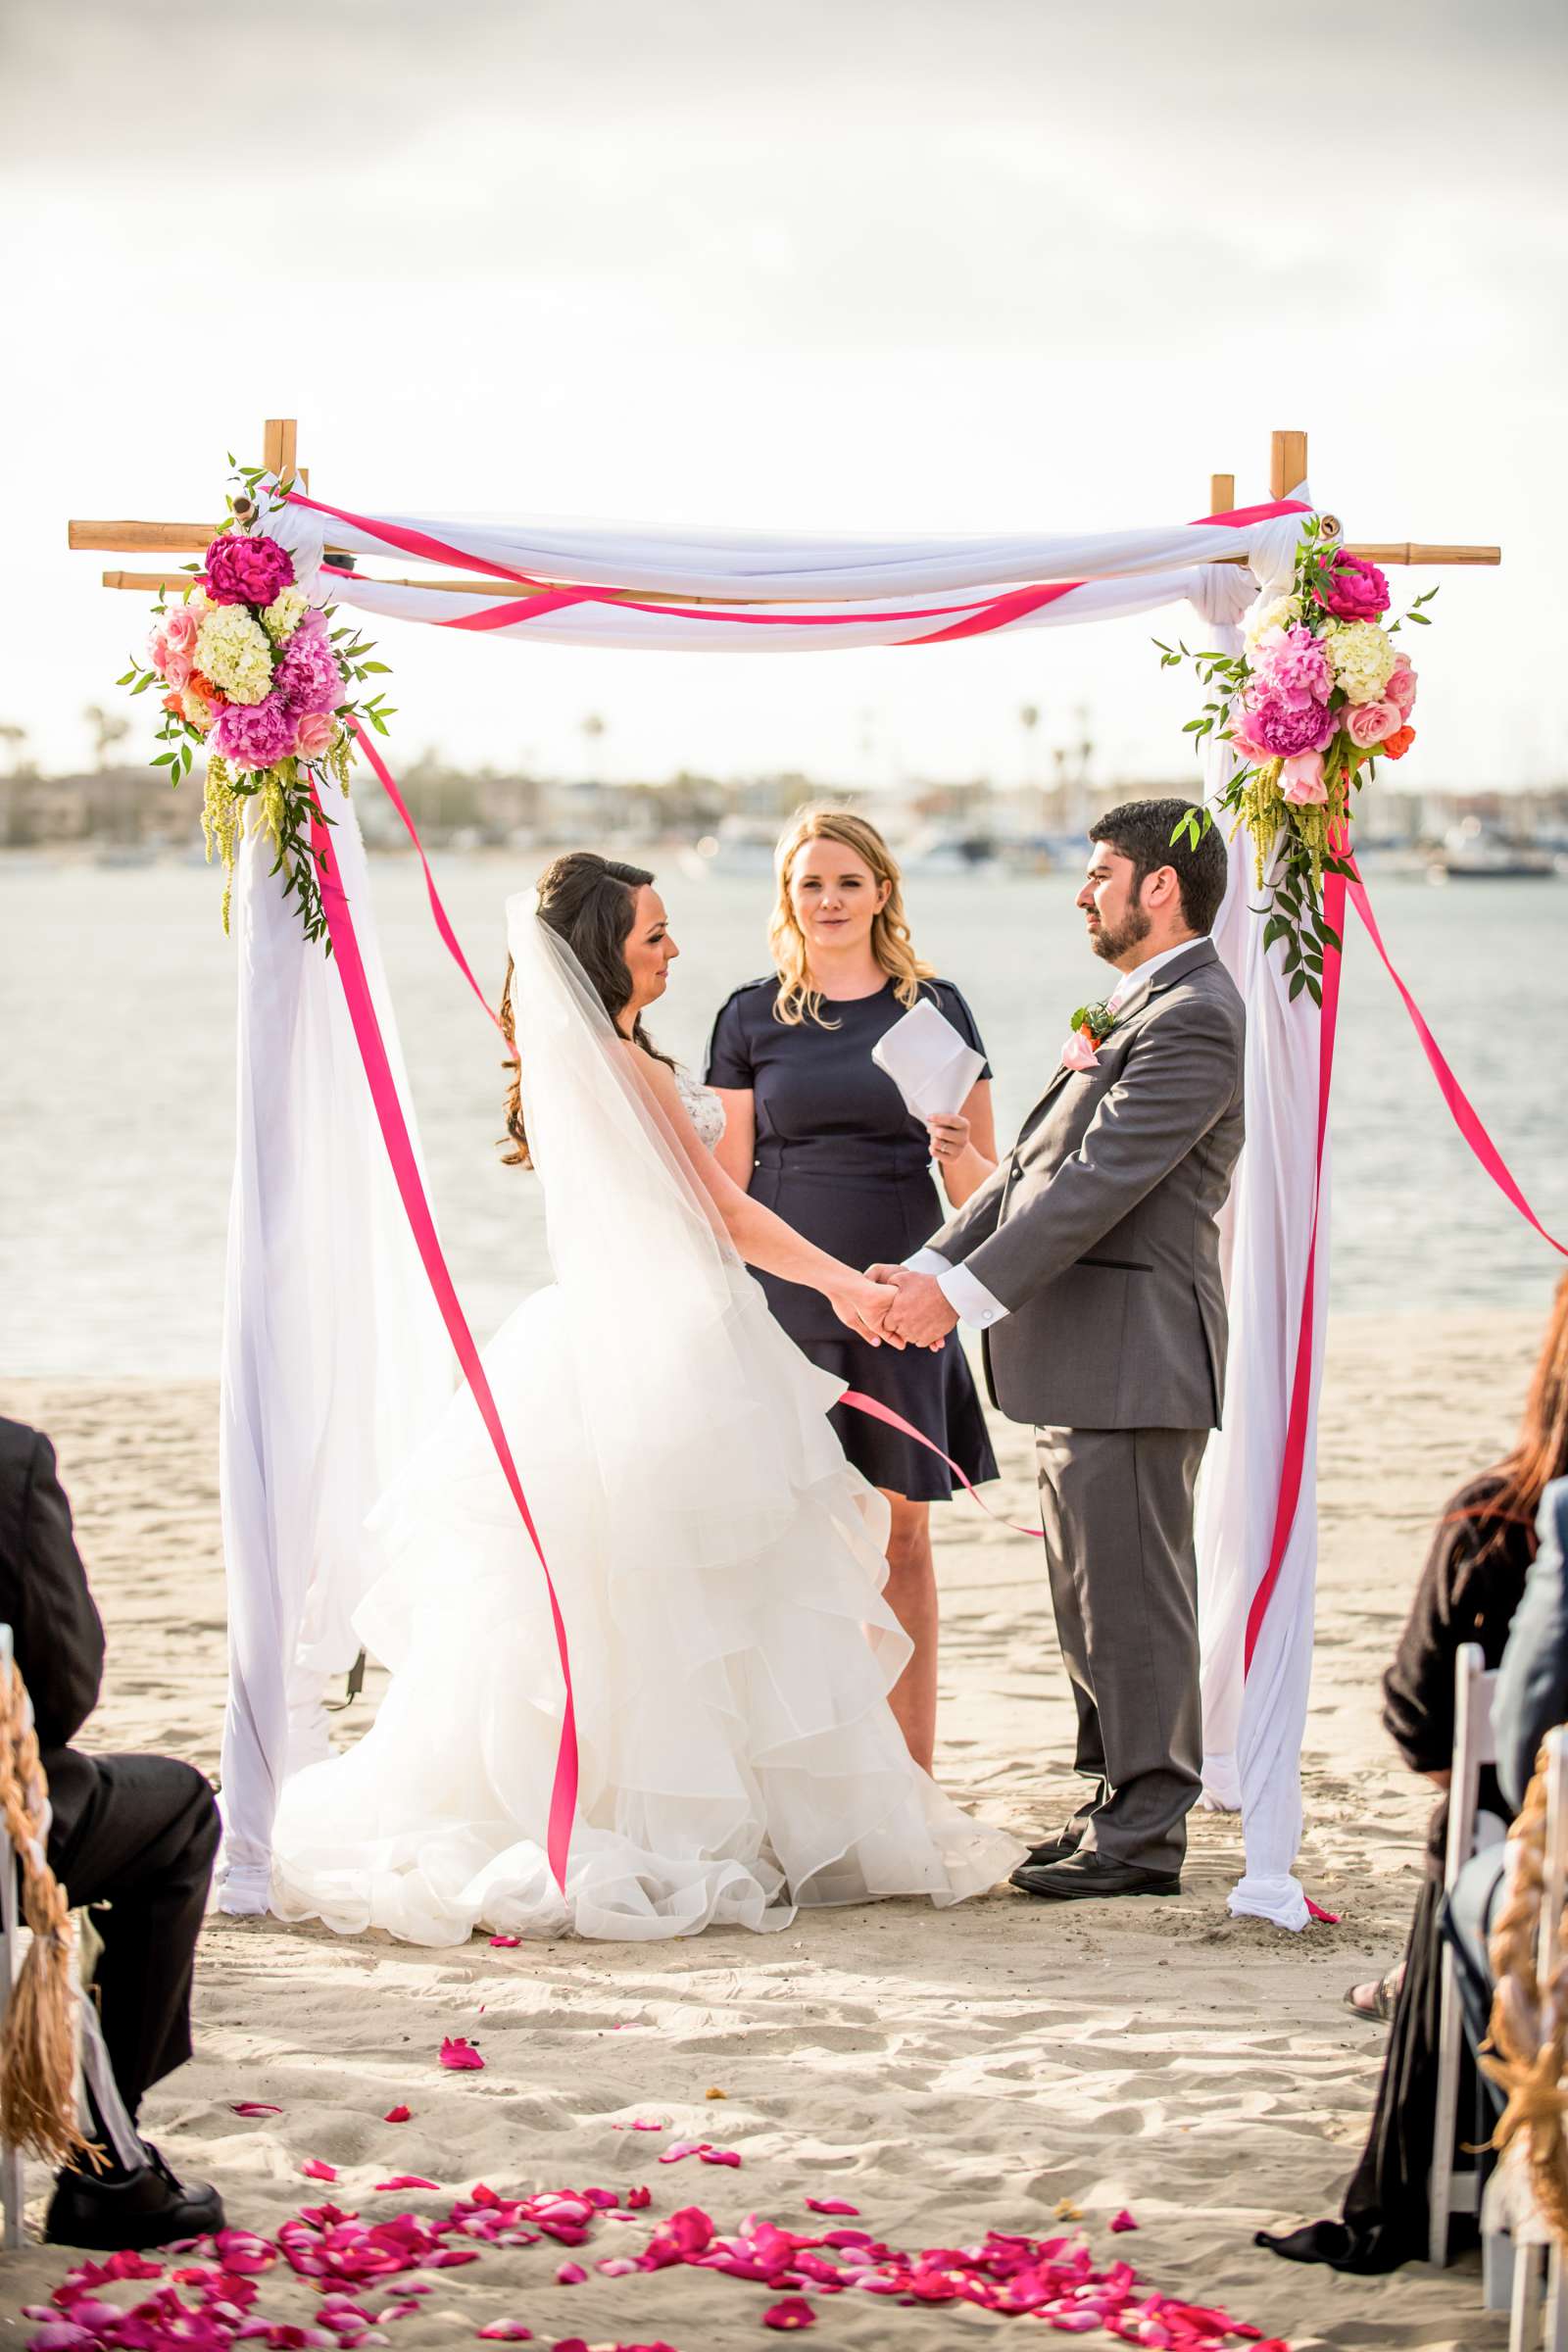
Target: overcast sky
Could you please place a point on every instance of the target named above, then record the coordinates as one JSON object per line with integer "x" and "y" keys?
{"x": 837, "y": 264}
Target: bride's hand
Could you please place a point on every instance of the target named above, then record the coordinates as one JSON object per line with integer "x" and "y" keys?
{"x": 863, "y": 1303}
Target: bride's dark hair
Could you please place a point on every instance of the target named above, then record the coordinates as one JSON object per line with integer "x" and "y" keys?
{"x": 589, "y": 901}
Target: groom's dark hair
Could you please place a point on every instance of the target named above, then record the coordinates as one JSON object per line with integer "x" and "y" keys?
{"x": 1142, "y": 830}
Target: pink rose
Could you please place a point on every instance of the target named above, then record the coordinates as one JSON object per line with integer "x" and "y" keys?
{"x": 178, "y": 666}
{"x": 1401, "y": 688}
{"x": 1350, "y": 588}
{"x": 158, "y": 652}
{"x": 1242, "y": 740}
{"x": 1366, "y": 724}
{"x": 180, "y": 627}
{"x": 1079, "y": 1052}
{"x": 315, "y": 734}
{"x": 1301, "y": 779}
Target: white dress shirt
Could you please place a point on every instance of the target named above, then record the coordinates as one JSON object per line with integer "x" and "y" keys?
{"x": 965, "y": 1292}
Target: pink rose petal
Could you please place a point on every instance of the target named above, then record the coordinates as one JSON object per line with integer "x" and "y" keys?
{"x": 315, "y": 2170}
{"x": 572, "y": 2274}
{"x": 637, "y": 2198}
{"x": 406, "y": 2181}
{"x": 505, "y": 2332}
{"x": 830, "y": 2205}
{"x": 793, "y": 2312}
{"x": 730, "y": 2156}
{"x": 460, "y": 2054}
{"x": 396, "y": 2115}
{"x": 252, "y": 2107}
{"x": 1122, "y": 2219}
{"x": 504, "y": 1944}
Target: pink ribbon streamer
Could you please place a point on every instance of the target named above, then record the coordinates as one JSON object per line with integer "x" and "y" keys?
{"x": 443, "y": 924}
{"x": 1460, "y": 1109}
{"x": 1292, "y": 1463}
{"x": 876, "y": 1411}
{"x": 405, "y": 1168}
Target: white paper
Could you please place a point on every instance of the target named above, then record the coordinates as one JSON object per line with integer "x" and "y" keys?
{"x": 928, "y": 1061}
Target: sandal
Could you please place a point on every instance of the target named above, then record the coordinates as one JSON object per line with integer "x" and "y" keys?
{"x": 1380, "y": 2009}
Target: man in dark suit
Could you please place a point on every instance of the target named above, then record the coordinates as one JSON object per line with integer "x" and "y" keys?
{"x": 136, "y": 1835}
{"x": 1090, "y": 1260}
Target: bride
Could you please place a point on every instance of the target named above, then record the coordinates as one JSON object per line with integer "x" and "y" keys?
{"x": 718, "y": 1563}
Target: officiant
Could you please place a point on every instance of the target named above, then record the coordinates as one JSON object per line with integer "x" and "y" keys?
{"x": 816, "y": 1130}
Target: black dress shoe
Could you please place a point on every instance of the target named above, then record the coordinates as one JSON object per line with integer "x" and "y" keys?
{"x": 129, "y": 2211}
{"x": 1053, "y": 1849}
{"x": 1079, "y": 1875}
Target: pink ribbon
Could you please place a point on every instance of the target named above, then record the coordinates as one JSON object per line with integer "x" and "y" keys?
{"x": 876, "y": 1411}
{"x": 1460, "y": 1109}
{"x": 388, "y": 785}
{"x": 405, "y": 1168}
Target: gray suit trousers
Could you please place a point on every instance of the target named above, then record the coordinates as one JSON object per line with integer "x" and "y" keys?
{"x": 1116, "y": 1506}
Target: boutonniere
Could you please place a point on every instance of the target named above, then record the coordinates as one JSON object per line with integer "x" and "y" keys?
{"x": 1092, "y": 1024}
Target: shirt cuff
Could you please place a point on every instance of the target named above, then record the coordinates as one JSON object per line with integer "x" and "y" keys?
{"x": 964, "y": 1292}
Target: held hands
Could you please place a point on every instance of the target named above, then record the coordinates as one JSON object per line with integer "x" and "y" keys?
{"x": 863, "y": 1303}
{"x": 920, "y": 1314}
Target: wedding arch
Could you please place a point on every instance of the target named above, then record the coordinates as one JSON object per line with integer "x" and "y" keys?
{"x": 336, "y": 1294}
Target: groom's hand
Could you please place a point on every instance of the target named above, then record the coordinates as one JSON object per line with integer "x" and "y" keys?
{"x": 920, "y": 1312}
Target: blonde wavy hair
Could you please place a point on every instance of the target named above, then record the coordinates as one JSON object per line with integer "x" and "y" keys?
{"x": 797, "y": 1001}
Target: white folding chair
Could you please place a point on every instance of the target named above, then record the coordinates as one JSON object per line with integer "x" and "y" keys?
{"x": 1509, "y": 2200}
{"x": 1449, "y": 2190}
{"x": 11, "y": 2182}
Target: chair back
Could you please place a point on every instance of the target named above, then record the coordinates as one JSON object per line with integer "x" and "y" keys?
{"x": 1475, "y": 1743}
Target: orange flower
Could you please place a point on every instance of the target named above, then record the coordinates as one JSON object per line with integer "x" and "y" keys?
{"x": 172, "y": 702}
{"x": 1395, "y": 746}
{"x": 209, "y": 693}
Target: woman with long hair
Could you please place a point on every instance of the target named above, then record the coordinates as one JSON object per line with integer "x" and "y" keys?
{"x": 718, "y": 1563}
{"x": 817, "y": 1132}
{"x": 1470, "y": 1588}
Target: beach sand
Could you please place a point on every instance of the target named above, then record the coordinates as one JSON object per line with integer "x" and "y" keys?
{"x": 944, "y": 2072}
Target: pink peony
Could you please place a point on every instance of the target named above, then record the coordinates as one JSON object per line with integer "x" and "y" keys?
{"x": 1282, "y": 732}
{"x": 1242, "y": 740}
{"x": 1301, "y": 781}
{"x": 308, "y": 677}
{"x": 255, "y": 735}
{"x": 315, "y": 734}
{"x": 241, "y": 571}
{"x": 1366, "y": 724}
{"x": 1292, "y": 668}
{"x": 1350, "y": 588}
{"x": 1401, "y": 688}
{"x": 179, "y": 628}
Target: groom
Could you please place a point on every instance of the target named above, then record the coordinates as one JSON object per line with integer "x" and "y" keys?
{"x": 1090, "y": 1260}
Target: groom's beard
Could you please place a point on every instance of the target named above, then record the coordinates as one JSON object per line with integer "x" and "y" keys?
{"x": 1112, "y": 942}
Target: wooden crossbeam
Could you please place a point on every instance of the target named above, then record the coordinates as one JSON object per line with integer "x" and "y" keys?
{"x": 280, "y": 454}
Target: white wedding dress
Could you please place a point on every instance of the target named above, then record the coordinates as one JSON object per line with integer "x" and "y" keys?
{"x": 719, "y": 1564}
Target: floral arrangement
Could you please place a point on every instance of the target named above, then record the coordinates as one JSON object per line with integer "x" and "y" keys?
{"x": 1320, "y": 694}
{"x": 254, "y": 676}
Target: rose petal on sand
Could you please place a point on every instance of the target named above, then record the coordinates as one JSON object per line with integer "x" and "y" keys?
{"x": 715, "y": 2094}
{"x": 315, "y": 2170}
{"x": 793, "y": 2312}
{"x": 1122, "y": 2219}
{"x": 406, "y": 2181}
{"x": 637, "y": 2198}
{"x": 252, "y": 2107}
{"x": 460, "y": 2054}
{"x": 396, "y": 2115}
{"x": 572, "y": 2274}
{"x": 504, "y": 1944}
{"x": 831, "y": 2205}
{"x": 729, "y": 2156}
{"x": 505, "y": 2332}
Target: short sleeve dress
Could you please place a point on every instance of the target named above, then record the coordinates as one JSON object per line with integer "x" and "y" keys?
{"x": 840, "y": 1158}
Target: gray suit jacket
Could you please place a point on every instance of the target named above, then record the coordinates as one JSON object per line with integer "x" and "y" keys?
{"x": 1097, "y": 1231}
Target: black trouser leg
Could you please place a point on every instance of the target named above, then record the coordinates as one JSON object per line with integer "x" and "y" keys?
{"x": 143, "y": 1845}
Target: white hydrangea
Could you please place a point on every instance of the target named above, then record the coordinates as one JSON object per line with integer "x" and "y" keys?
{"x": 1283, "y": 614}
{"x": 284, "y": 613}
{"x": 1362, "y": 657}
{"x": 231, "y": 649}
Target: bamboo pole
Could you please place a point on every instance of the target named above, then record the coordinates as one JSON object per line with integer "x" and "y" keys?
{"x": 1221, "y": 493}
{"x": 1287, "y": 468}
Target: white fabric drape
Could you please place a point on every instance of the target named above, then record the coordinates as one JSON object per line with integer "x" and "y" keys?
{"x": 1253, "y": 1722}
{"x": 793, "y": 567}
{"x": 333, "y": 1358}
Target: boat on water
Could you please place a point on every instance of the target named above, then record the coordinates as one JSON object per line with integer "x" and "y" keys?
{"x": 1473, "y": 851}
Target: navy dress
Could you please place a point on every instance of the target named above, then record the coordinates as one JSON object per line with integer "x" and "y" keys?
{"x": 840, "y": 1159}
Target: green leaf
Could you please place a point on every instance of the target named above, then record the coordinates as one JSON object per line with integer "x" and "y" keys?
{"x": 1298, "y": 982}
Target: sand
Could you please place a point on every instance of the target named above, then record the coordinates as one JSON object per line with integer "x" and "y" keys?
{"x": 945, "y": 2073}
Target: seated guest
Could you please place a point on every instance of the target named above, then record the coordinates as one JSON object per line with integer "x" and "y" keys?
{"x": 1470, "y": 1591}
{"x": 135, "y": 1834}
{"x": 1531, "y": 1699}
